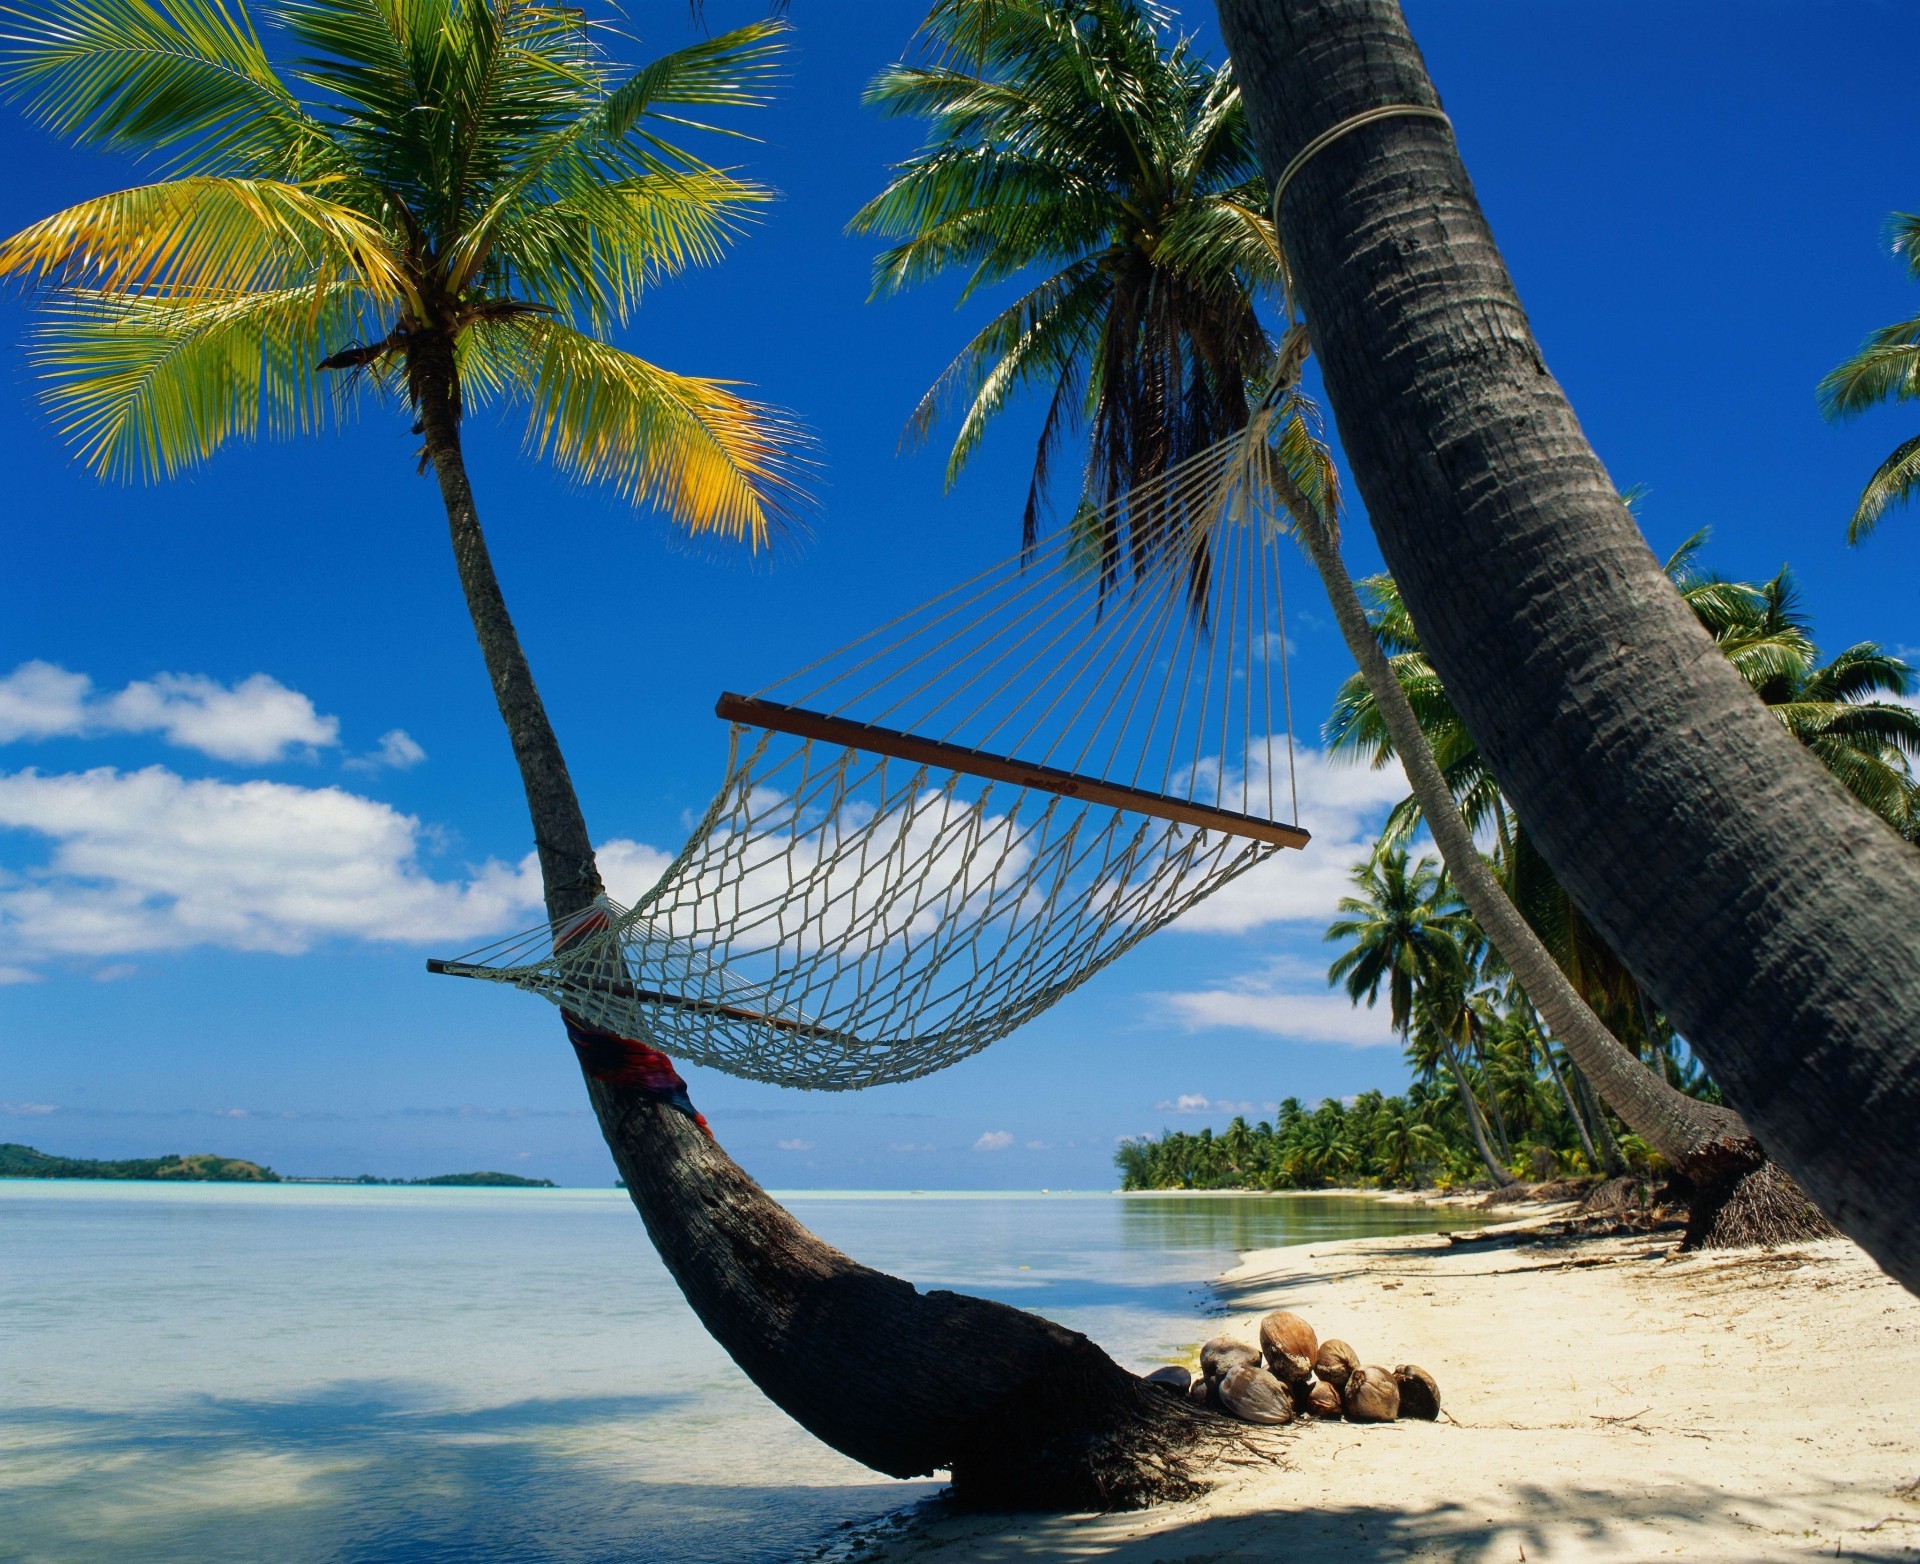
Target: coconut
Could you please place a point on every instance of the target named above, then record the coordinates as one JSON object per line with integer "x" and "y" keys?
{"x": 1223, "y": 1353}
{"x": 1335, "y": 1362}
{"x": 1372, "y": 1396}
{"x": 1289, "y": 1345}
{"x": 1323, "y": 1400}
{"x": 1197, "y": 1392}
{"x": 1302, "y": 1395}
{"x": 1419, "y": 1395}
{"x": 1173, "y": 1376}
{"x": 1253, "y": 1395}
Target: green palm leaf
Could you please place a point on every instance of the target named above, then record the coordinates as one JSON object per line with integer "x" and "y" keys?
{"x": 191, "y": 78}
{"x": 145, "y": 388}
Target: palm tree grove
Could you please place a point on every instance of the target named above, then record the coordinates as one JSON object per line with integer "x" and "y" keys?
{"x": 1453, "y": 863}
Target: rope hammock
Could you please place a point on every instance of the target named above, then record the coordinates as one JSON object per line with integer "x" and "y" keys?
{"x": 928, "y": 837}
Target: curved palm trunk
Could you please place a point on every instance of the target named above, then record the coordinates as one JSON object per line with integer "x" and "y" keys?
{"x": 1021, "y": 1411}
{"x": 1776, "y": 922}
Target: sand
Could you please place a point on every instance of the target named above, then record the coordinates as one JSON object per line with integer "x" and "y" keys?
{"x": 1607, "y": 1399}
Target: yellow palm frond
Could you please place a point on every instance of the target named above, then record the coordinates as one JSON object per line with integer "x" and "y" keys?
{"x": 208, "y": 237}
{"x": 714, "y": 462}
{"x": 146, "y": 387}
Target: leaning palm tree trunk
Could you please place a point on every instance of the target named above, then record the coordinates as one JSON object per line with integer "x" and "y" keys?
{"x": 1739, "y": 1197}
{"x": 1021, "y": 1411}
{"x": 1776, "y": 922}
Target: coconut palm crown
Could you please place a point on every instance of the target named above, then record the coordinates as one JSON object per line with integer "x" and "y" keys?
{"x": 1072, "y": 146}
{"x": 472, "y": 174}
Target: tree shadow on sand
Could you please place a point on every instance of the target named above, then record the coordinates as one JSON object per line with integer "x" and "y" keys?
{"x": 1557, "y": 1521}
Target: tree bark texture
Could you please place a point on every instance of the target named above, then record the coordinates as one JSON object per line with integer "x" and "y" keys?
{"x": 1021, "y": 1412}
{"x": 1776, "y": 921}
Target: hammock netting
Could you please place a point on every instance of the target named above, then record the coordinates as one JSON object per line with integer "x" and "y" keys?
{"x": 933, "y": 834}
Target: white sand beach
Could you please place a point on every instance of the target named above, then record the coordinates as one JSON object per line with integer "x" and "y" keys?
{"x": 1605, "y": 1399}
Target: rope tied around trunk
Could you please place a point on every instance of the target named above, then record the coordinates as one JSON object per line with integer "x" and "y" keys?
{"x": 1325, "y": 139}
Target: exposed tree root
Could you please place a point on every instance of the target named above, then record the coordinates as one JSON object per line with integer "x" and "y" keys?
{"x": 1090, "y": 1436}
{"x": 1760, "y": 1204}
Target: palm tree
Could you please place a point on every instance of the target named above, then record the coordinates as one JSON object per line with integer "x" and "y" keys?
{"x": 469, "y": 198}
{"x": 1072, "y": 147}
{"x": 1782, "y": 936}
{"x": 1032, "y": 134}
{"x": 1886, "y": 369}
{"x": 1408, "y": 931}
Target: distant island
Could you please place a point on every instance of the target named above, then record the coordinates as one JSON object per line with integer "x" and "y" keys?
{"x": 203, "y": 1167}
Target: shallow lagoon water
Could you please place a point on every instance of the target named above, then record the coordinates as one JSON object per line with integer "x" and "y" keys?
{"x": 423, "y": 1376}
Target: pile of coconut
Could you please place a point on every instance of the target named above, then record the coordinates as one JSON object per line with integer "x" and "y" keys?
{"x": 1294, "y": 1374}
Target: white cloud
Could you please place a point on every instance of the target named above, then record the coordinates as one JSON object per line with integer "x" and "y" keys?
{"x": 630, "y": 869}
{"x": 1343, "y": 806}
{"x": 40, "y": 701}
{"x": 994, "y": 1140}
{"x": 1197, "y": 1102}
{"x": 398, "y": 751}
{"x": 148, "y": 861}
{"x": 257, "y": 720}
{"x": 27, "y": 1110}
{"x": 795, "y": 1145}
{"x": 1303, "y": 1017}
{"x": 1039, "y": 1145}
{"x": 11, "y": 976}
{"x": 911, "y": 1146}
{"x": 118, "y": 972}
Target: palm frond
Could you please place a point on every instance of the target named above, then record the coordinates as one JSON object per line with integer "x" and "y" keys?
{"x": 191, "y": 78}
{"x": 710, "y": 460}
{"x": 593, "y": 250}
{"x": 205, "y": 235}
{"x": 146, "y": 388}
{"x": 608, "y": 140}
{"x": 1892, "y": 484}
{"x": 1886, "y": 369}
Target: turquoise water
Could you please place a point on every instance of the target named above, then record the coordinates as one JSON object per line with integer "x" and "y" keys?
{"x": 452, "y": 1376}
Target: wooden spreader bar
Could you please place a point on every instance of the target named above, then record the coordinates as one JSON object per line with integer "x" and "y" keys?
{"x": 805, "y": 724}
{"x": 647, "y": 996}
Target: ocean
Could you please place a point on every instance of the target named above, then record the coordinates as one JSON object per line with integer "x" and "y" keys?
{"x": 364, "y": 1375}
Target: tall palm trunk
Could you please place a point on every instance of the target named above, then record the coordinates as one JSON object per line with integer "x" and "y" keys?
{"x": 1776, "y": 922}
{"x": 1021, "y": 1411}
{"x": 1476, "y": 1124}
{"x": 1739, "y": 1197}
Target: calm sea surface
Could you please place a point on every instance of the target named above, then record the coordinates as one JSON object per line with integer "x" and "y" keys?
{"x": 392, "y": 1376}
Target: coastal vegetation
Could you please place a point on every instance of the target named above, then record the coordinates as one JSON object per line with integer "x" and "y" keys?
{"x": 18, "y": 1161}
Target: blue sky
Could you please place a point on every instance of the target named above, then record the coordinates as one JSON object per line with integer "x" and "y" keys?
{"x": 257, "y": 776}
